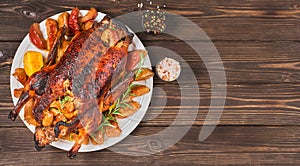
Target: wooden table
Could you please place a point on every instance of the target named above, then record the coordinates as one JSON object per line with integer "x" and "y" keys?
{"x": 258, "y": 42}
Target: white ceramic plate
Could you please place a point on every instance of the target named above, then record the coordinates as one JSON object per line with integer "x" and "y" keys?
{"x": 127, "y": 125}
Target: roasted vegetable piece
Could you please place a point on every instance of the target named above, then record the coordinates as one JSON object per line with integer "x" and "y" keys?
{"x": 139, "y": 90}
{"x": 58, "y": 118}
{"x": 134, "y": 58}
{"x": 48, "y": 118}
{"x": 87, "y": 21}
{"x": 127, "y": 111}
{"x": 113, "y": 131}
{"x": 53, "y": 52}
{"x": 87, "y": 25}
{"x": 62, "y": 48}
{"x": 63, "y": 20}
{"x": 36, "y": 36}
{"x": 18, "y": 92}
{"x": 28, "y": 115}
{"x": 144, "y": 74}
{"x": 20, "y": 75}
{"x": 68, "y": 110}
{"x": 91, "y": 15}
{"x": 52, "y": 28}
{"x": 33, "y": 62}
{"x": 54, "y": 111}
{"x": 73, "y": 21}
{"x": 97, "y": 137}
{"x": 71, "y": 136}
{"x": 55, "y": 104}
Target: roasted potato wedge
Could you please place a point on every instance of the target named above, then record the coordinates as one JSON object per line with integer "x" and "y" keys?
{"x": 127, "y": 111}
{"x": 20, "y": 75}
{"x": 91, "y": 15}
{"x": 52, "y": 29}
{"x": 33, "y": 62}
{"x": 48, "y": 118}
{"x": 139, "y": 90}
{"x": 144, "y": 74}
{"x": 63, "y": 20}
{"x": 18, "y": 92}
{"x": 62, "y": 49}
{"x": 28, "y": 115}
{"x": 87, "y": 25}
{"x": 113, "y": 131}
{"x": 97, "y": 137}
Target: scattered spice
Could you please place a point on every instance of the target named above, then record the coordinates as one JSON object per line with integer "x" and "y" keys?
{"x": 154, "y": 21}
{"x": 153, "y": 18}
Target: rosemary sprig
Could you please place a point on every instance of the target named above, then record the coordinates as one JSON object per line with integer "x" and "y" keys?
{"x": 123, "y": 105}
{"x": 142, "y": 60}
{"x": 122, "y": 102}
{"x": 105, "y": 123}
{"x": 127, "y": 92}
{"x": 110, "y": 115}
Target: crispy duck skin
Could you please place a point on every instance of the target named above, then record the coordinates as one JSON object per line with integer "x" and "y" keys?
{"x": 87, "y": 49}
{"x": 46, "y": 85}
{"x": 90, "y": 111}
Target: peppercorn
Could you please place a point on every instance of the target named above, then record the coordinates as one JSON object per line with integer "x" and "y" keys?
{"x": 154, "y": 21}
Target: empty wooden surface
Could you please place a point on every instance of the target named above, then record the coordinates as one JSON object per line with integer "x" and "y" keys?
{"x": 259, "y": 44}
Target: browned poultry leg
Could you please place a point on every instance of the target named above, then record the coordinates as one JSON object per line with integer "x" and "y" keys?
{"x": 83, "y": 136}
{"x": 35, "y": 86}
{"x": 25, "y": 96}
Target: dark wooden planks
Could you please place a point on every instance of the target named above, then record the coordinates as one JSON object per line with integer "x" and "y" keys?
{"x": 257, "y": 20}
{"x": 245, "y": 105}
{"x": 94, "y": 158}
{"x": 260, "y": 91}
{"x": 257, "y": 104}
{"x": 226, "y": 145}
{"x": 244, "y": 62}
{"x": 258, "y": 42}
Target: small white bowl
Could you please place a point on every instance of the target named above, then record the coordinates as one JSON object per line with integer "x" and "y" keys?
{"x": 168, "y": 69}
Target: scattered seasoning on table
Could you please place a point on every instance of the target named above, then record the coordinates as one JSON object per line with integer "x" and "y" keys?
{"x": 153, "y": 18}
{"x": 154, "y": 21}
{"x": 168, "y": 69}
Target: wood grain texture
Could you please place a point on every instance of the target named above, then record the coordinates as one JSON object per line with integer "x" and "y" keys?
{"x": 258, "y": 42}
{"x": 244, "y": 62}
{"x": 254, "y": 20}
{"x": 227, "y": 145}
{"x": 245, "y": 105}
{"x": 260, "y": 78}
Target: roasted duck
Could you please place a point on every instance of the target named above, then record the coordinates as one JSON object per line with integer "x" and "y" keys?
{"x": 92, "y": 69}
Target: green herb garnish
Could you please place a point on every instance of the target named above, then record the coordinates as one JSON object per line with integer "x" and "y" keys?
{"x": 142, "y": 60}
{"x": 63, "y": 101}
